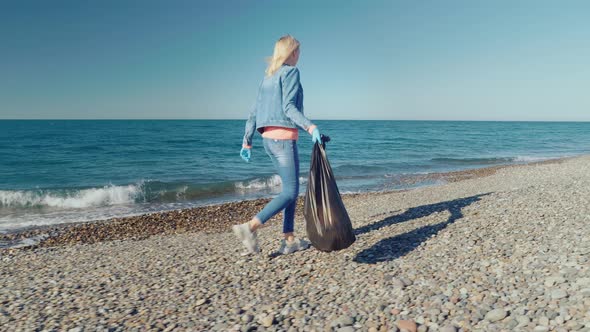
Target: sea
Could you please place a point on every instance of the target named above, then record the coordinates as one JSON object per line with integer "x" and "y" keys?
{"x": 63, "y": 171}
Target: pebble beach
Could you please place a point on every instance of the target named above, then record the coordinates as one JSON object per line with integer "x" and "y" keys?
{"x": 496, "y": 249}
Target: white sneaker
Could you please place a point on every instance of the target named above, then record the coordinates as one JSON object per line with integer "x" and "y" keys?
{"x": 291, "y": 247}
{"x": 248, "y": 238}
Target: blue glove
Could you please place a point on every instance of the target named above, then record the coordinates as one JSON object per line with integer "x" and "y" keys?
{"x": 245, "y": 154}
{"x": 315, "y": 136}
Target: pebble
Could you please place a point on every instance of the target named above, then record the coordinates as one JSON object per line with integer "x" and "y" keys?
{"x": 448, "y": 328}
{"x": 558, "y": 294}
{"x": 544, "y": 321}
{"x": 397, "y": 283}
{"x": 523, "y": 320}
{"x": 268, "y": 321}
{"x": 408, "y": 325}
{"x": 554, "y": 281}
{"x": 345, "y": 321}
{"x": 496, "y": 315}
{"x": 559, "y": 320}
{"x": 346, "y": 329}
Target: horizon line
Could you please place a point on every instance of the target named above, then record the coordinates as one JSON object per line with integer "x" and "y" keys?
{"x": 241, "y": 119}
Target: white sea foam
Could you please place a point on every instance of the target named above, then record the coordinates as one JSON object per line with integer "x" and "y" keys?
{"x": 258, "y": 184}
{"x": 531, "y": 158}
{"x": 263, "y": 183}
{"x": 181, "y": 192}
{"x": 72, "y": 199}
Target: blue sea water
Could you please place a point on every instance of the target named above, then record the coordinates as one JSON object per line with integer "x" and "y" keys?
{"x": 69, "y": 170}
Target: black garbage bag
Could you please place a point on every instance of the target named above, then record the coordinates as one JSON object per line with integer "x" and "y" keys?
{"x": 328, "y": 225}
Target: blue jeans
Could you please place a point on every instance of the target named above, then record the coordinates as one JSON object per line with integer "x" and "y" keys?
{"x": 285, "y": 157}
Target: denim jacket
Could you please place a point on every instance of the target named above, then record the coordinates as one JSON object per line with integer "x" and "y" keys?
{"x": 279, "y": 103}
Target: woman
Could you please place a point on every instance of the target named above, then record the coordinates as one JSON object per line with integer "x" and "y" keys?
{"x": 277, "y": 113}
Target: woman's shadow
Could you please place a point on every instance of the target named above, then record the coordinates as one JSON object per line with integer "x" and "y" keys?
{"x": 399, "y": 245}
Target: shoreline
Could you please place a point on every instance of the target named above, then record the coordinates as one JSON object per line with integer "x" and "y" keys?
{"x": 214, "y": 218}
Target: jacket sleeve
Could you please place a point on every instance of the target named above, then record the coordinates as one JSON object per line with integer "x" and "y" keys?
{"x": 250, "y": 128}
{"x": 291, "y": 88}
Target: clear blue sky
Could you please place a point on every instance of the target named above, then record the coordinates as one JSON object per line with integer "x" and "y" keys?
{"x": 438, "y": 60}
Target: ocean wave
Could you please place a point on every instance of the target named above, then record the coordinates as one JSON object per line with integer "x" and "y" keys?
{"x": 271, "y": 182}
{"x": 72, "y": 198}
{"x": 259, "y": 183}
{"x": 144, "y": 191}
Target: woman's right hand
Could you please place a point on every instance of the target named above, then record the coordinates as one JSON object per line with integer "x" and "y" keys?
{"x": 245, "y": 154}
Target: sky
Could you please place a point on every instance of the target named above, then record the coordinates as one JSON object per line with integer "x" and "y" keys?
{"x": 399, "y": 60}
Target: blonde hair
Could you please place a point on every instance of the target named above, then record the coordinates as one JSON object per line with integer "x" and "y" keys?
{"x": 284, "y": 47}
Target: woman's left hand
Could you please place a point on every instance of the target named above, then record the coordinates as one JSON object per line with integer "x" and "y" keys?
{"x": 315, "y": 136}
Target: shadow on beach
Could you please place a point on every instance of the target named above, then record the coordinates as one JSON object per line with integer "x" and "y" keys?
{"x": 399, "y": 245}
